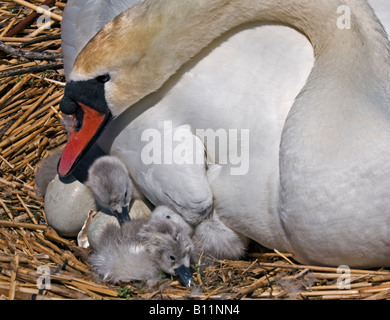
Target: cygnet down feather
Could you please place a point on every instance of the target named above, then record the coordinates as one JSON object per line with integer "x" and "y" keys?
{"x": 163, "y": 213}
{"x": 111, "y": 185}
{"x": 141, "y": 249}
{"x": 210, "y": 237}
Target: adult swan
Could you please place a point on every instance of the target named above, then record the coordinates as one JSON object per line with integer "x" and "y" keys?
{"x": 318, "y": 181}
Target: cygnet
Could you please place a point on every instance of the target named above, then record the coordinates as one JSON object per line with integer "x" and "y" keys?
{"x": 112, "y": 187}
{"x": 141, "y": 249}
{"x": 210, "y": 237}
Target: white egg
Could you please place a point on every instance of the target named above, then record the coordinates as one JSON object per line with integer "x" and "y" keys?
{"x": 67, "y": 203}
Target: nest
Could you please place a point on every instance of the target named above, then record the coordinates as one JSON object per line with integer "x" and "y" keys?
{"x": 37, "y": 263}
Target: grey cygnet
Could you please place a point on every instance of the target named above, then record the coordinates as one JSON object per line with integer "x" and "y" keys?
{"x": 141, "y": 249}
{"x": 211, "y": 237}
{"x": 112, "y": 187}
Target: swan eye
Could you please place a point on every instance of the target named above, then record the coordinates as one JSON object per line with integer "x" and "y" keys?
{"x": 172, "y": 258}
{"x": 103, "y": 79}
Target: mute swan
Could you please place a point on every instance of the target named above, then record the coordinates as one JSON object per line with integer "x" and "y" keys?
{"x": 140, "y": 249}
{"x": 323, "y": 193}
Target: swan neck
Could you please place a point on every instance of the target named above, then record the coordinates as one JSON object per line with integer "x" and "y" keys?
{"x": 322, "y": 21}
{"x": 158, "y": 37}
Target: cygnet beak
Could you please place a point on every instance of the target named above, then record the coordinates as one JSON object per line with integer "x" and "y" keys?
{"x": 122, "y": 215}
{"x": 184, "y": 275}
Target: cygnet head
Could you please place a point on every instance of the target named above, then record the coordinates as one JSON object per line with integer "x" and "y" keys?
{"x": 111, "y": 185}
{"x": 170, "y": 246}
{"x": 163, "y": 213}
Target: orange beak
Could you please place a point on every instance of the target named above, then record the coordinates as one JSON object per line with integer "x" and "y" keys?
{"x": 79, "y": 141}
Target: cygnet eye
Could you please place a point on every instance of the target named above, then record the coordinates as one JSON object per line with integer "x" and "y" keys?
{"x": 103, "y": 79}
{"x": 172, "y": 258}
{"x": 168, "y": 217}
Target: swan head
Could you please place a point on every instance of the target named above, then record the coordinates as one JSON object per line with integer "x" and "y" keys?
{"x": 113, "y": 71}
{"x": 132, "y": 56}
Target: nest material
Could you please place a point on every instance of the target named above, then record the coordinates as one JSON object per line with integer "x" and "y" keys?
{"x": 36, "y": 263}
